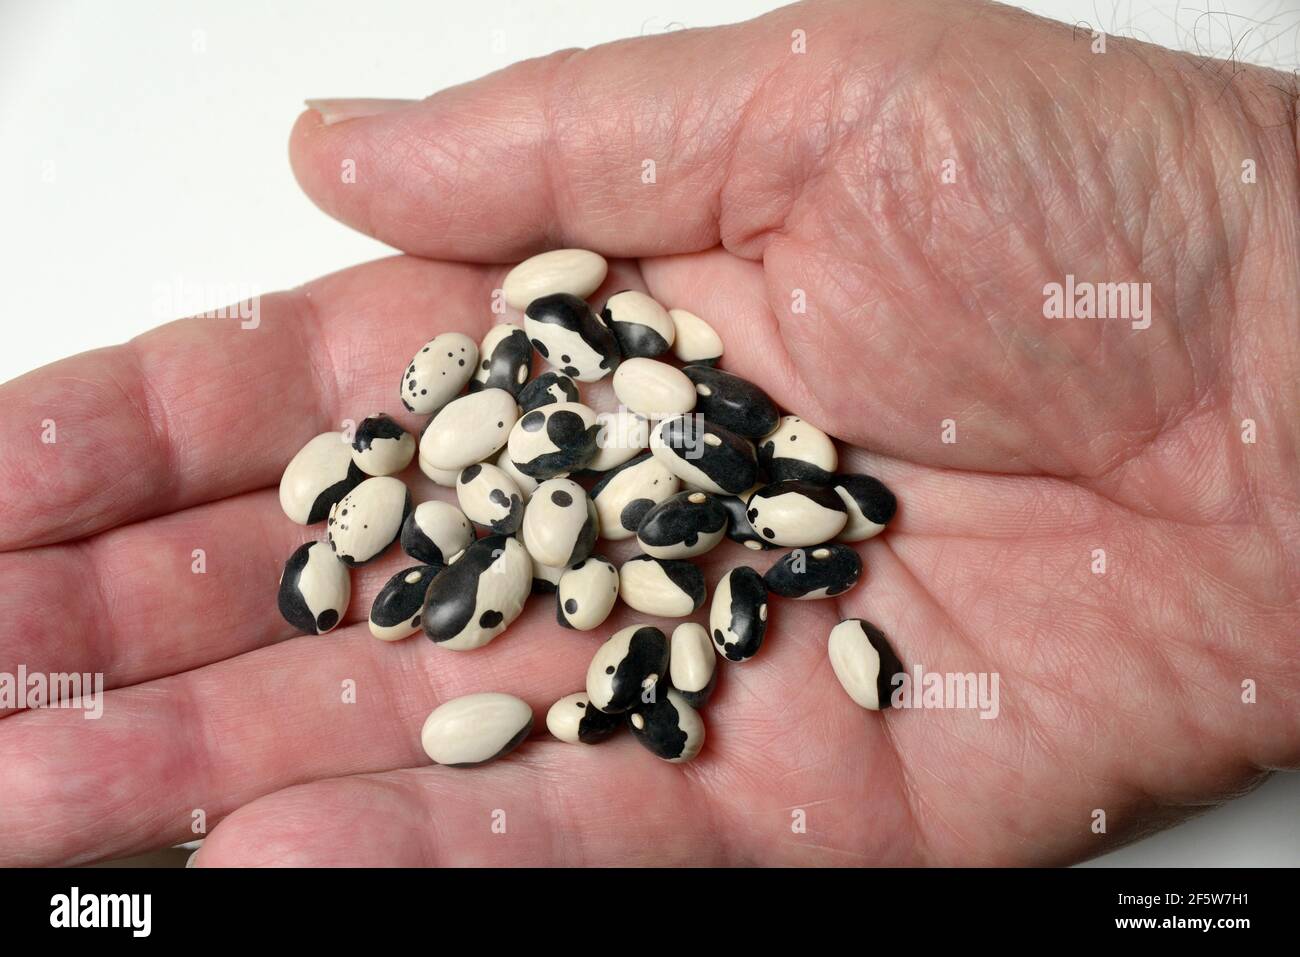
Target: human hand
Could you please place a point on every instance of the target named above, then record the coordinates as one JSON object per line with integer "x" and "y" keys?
{"x": 775, "y": 171}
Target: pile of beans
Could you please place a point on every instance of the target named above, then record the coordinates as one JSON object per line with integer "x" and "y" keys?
{"x": 693, "y": 456}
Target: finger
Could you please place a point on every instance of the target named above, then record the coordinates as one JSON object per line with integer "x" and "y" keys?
{"x": 202, "y": 408}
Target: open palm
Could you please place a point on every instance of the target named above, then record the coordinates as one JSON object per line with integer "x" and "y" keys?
{"x": 797, "y": 200}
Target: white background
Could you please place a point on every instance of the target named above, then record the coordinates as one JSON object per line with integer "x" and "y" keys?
{"x": 144, "y": 151}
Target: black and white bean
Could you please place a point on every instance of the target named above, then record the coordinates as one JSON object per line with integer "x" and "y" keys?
{"x": 694, "y": 341}
{"x": 577, "y": 272}
{"x": 642, "y": 327}
{"x": 669, "y": 728}
{"x": 738, "y": 527}
{"x": 732, "y": 402}
{"x": 797, "y": 450}
{"x": 692, "y": 665}
{"x": 436, "y": 531}
{"x": 438, "y": 372}
{"x": 627, "y": 668}
{"x": 554, "y": 440}
{"x": 653, "y": 389}
{"x": 704, "y": 455}
{"x": 795, "y": 513}
{"x": 738, "y": 615}
{"x": 560, "y": 524}
{"x": 683, "y": 526}
{"x": 320, "y": 474}
{"x": 627, "y": 492}
{"x": 662, "y": 587}
{"x": 395, "y": 613}
{"x": 870, "y": 506}
{"x": 822, "y": 571}
{"x": 586, "y": 594}
{"x": 488, "y": 496}
{"x": 547, "y": 389}
{"x": 468, "y": 430}
{"x": 573, "y": 719}
{"x": 315, "y": 588}
{"x": 368, "y": 519}
{"x": 568, "y": 335}
{"x": 505, "y": 360}
{"x": 477, "y": 596}
{"x": 382, "y": 447}
{"x": 864, "y": 663}
{"x": 475, "y": 729}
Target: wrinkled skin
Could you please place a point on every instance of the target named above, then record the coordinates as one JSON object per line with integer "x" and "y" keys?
{"x": 775, "y": 172}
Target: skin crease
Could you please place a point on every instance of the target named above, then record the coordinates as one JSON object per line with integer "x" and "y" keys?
{"x": 775, "y": 171}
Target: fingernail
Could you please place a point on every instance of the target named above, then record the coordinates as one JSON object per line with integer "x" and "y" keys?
{"x": 336, "y": 111}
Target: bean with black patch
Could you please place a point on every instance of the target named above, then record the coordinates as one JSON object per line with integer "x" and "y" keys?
{"x": 586, "y": 594}
{"x": 315, "y": 588}
{"x": 505, "y": 360}
{"x": 560, "y": 524}
{"x": 547, "y": 389}
{"x": 870, "y": 506}
{"x": 795, "y": 513}
{"x": 475, "y": 729}
{"x": 797, "y": 450}
{"x": 395, "y": 613}
{"x": 642, "y": 327}
{"x": 626, "y": 493}
{"x": 437, "y": 372}
{"x": 477, "y": 596}
{"x": 320, "y": 474}
{"x": 363, "y": 523}
{"x": 468, "y": 430}
{"x": 864, "y": 662}
{"x": 738, "y": 527}
{"x": 683, "y": 526}
{"x": 435, "y": 531}
{"x": 573, "y": 719}
{"x": 704, "y": 455}
{"x": 668, "y": 728}
{"x": 490, "y": 497}
{"x": 738, "y": 615}
{"x": 568, "y": 335}
{"x": 823, "y": 571}
{"x": 626, "y": 667}
{"x": 692, "y": 665}
{"x": 554, "y": 439}
{"x": 732, "y": 402}
{"x": 662, "y": 587}
{"x": 382, "y": 447}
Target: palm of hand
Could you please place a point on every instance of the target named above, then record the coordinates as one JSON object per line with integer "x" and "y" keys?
{"x": 1119, "y": 691}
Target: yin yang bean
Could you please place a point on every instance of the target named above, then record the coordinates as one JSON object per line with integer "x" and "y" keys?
{"x": 490, "y": 497}
{"x": 568, "y": 335}
{"x": 475, "y": 729}
{"x": 554, "y": 439}
{"x": 738, "y": 527}
{"x": 395, "y": 613}
{"x": 382, "y": 447}
{"x": 320, "y": 474}
{"x": 694, "y": 342}
{"x": 662, "y": 587}
{"x": 438, "y": 372}
{"x": 547, "y": 389}
{"x": 642, "y": 327}
{"x": 738, "y": 615}
{"x": 628, "y": 492}
{"x": 627, "y": 668}
{"x": 622, "y": 436}
{"x": 560, "y": 524}
{"x": 505, "y": 360}
{"x": 797, "y": 450}
{"x": 368, "y": 519}
{"x": 468, "y": 430}
{"x": 573, "y": 719}
{"x": 864, "y": 663}
{"x": 577, "y": 272}
{"x": 704, "y": 455}
{"x": 870, "y": 506}
{"x": 478, "y": 595}
{"x": 586, "y": 594}
{"x": 668, "y": 728}
{"x": 692, "y": 665}
{"x": 732, "y": 402}
{"x": 315, "y": 588}
{"x": 822, "y": 571}
{"x": 796, "y": 513}
{"x": 682, "y": 526}
{"x": 435, "y": 531}
{"x": 653, "y": 389}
